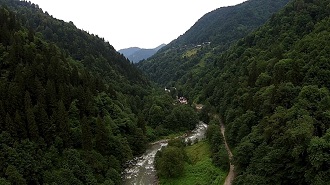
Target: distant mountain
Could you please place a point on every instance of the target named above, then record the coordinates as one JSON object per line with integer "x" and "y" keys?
{"x": 129, "y": 51}
{"x": 136, "y": 54}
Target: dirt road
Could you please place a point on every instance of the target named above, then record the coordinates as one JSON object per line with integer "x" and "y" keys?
{"x": 231, "y": 175}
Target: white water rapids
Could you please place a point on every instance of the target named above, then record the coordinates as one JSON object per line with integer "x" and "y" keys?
{"x": 141, "y": 170}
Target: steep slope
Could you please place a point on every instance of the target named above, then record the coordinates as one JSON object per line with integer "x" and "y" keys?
{"x": 68, "y": 102}
{"x": 213, "y": 33}
{"x": 227, "y": 24}
{"x": 72, "y": 109}
{"x": 272, "y": 89}
{"x": 135, "y": 54}
{"x": 93, "y": 52}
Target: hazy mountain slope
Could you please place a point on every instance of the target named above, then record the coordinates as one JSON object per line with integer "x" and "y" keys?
{"x": 129, "y": 51}
{"x": 272, "y": 89}
{"x": 213, "y": 33}
{"x": 141, "y": 55}
{"x": 136, "y": 54}
{"x": 160, "y": 47}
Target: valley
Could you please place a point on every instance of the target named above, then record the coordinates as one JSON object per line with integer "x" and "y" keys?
{"x": 242, "y": 97}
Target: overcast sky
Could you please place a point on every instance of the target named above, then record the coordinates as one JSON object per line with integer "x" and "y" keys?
{"x": 128, "y": 23}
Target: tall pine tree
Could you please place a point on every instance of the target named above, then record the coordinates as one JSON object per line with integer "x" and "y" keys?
{"x": 62, "y": 124}
{"x": 86, "y": 134}
{"x": 31, "y": 125}
{"x": 102, "y": 136}
{"x": 10, "y": 126}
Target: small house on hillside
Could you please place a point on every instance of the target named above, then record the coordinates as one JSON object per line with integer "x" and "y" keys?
{"x": 167, "y": 90}
{"x": 183, "y": 100}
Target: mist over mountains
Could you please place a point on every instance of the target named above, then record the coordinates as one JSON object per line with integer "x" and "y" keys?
{"x": 136, "y": 54}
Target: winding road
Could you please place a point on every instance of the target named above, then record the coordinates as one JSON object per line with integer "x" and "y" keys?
{"x": 231, "y": 175}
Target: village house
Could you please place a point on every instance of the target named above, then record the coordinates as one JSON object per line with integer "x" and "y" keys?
{"x": 167, "y": 90}
{"x": 183, "y": 100}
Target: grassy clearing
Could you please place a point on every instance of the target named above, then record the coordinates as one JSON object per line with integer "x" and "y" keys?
{"x": 201, "y": 171}
{"x": 190, "y": 53}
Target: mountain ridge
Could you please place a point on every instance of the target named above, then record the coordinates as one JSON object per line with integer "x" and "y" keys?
{"x": 136, "y": 54}
{"x": 212, "y": 33}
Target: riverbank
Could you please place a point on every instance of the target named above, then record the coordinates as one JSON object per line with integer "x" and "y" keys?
{"x": 141, "y": 169}
{"x": 199, "y": 170}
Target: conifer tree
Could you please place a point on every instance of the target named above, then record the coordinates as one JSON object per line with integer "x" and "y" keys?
{"x": 14, "y": 176}
{"x": 42, "y": 120}
{"x": 10, "y": 126}
{"x": 32, "y": 127}
{"x": 27, "y": 101}
{"x": 2, "y": 116}
{"x": 62, "y": 123}
{"x": 141, "y": 123}
{"x": 51, "y": 95}
{"x": 64, "y": 95}
{"x": 31, "y": 124}
{"x": 101, "y": 136}
{"x": 20, "y": 126}
{"x": 14, "y": 99}
{"x": 86, "y": 134}
{"x": 40, "y": 92}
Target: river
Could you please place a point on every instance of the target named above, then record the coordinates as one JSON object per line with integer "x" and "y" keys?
{"x": 141, "y": 170}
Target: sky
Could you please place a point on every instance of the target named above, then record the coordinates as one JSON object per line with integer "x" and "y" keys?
{"x": 133, "y": 23}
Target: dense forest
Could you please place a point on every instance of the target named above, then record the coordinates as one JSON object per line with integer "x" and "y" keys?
{"x": 212, "y": 34}
{"x": 276, "y": 101}
{"x": 72, "y": 109}
{"x": 272, "y": 90}
{"x": 57, "y": 117}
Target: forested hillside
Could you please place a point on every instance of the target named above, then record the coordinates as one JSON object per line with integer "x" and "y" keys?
{"x": 272, "y": 89}
{"x": 92, "y": 51}
{"x": 72, "y": 109}
{"x": 59, "y": 122}
{"x": 213, "y": 33}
